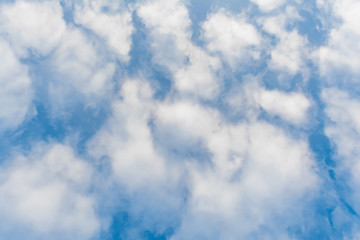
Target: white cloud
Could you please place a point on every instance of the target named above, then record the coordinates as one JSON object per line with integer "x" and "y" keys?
{"x": 198, "y": 77}
{"x": 178, "y": 23}
{"x": 342, "y": 51}
{"x": 16, "y": 91}
{"x": 127, "y": 140}
{"x": 149, "y": 179}
{"x": 344, "y": 127}
{"x": 256, "y": 171}
{"x": 267, "y": 176}
{"x": 291, "y": 51}
{"x": 188, "y": 117}
{"x": 290, "y": 106}
{"x": 348, "y": 11}
{"x": 341, "y": 108}
{"x": 35, "y": 25}
{"x": 288, "y": 55}
{"x": 115, "y": 28}
{"x": 170, "y": 37}
{"x": 228, "y": 143}
{"x": 248, "y": 98}
{"x": 268, "y": 5}
{"x": 193, "y": 70}
{"x": 232, "y": 36}
{"x": 79, "y": 65}
{"x": 179, "y": 163}
{"x": 46, "y": 193}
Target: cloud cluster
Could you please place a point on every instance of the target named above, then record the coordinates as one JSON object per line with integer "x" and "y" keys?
{"x": 226, "y": 152}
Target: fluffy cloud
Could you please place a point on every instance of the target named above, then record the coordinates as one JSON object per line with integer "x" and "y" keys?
{"x": 45, "y": 193}
{"x": 239, "y": 184}
{"x": 342, "y": 49}
{"x": 253, "y": 169}
{"x": 16, "y": 91}
{"x": 242, "y": 183}
{"x": 344, "y": 125}
{"x": 150, "y": 181}
{"x": 79, "y": 64}
{"x": 116, "y": 28}
{"x": 288, "y": 54}
{"x": 171, "y": 37}
{"x": 221, "y": 151}
{"x": 291, "y": 51}
{"x": 198, "y": 76}
{"x": 292, "y": 107}
{"x": 268, "y": 5}
{"x": 200, "y": 124}
{"x": 38, "y": 26}
{"x": 129, "y": 145}
{"x": 271, "y": 179}
{"x": 232, "y": 36}
{"x": 194, "y": 71}
{"x": 250, "y": 98}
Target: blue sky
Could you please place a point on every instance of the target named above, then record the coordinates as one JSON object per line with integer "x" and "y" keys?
{"x": 171, "y": 119}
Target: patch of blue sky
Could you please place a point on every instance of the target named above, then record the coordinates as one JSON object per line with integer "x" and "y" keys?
{"x": 67, "y": 12}
{"x": 334, "y": 189}
{"x": 124, "y": 227}
{"x": 311, "y": 27}
{"x": 141, "y": 66}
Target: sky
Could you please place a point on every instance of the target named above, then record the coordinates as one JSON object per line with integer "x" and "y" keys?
{"x": 179, "y": 119}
